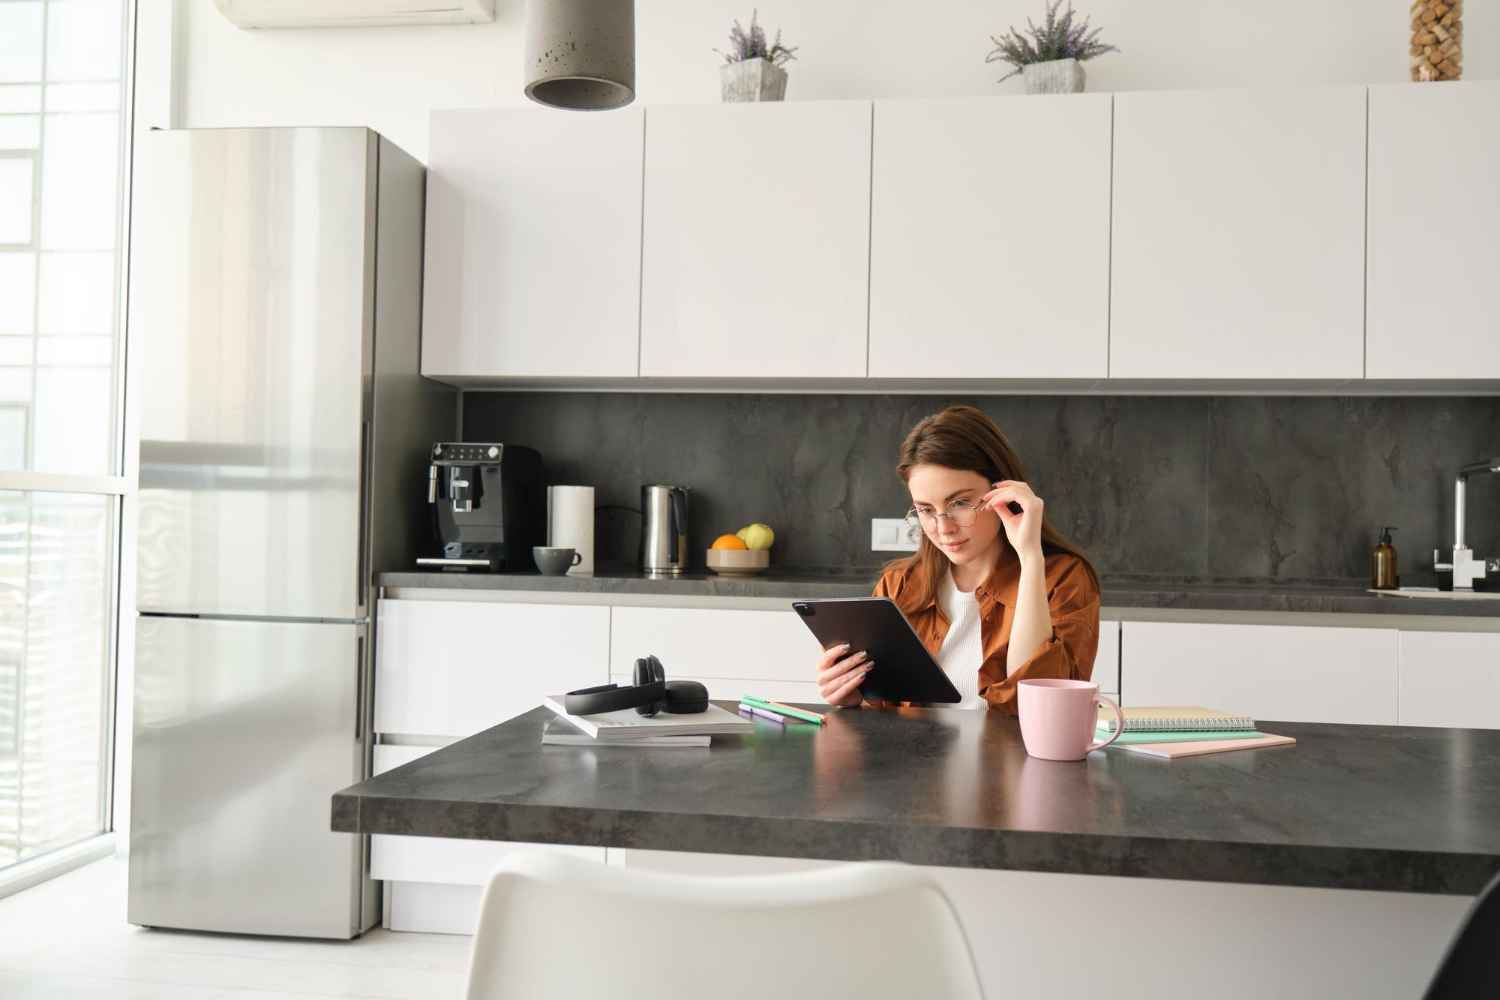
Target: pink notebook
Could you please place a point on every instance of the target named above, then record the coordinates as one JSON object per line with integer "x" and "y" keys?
{"x": 1171, "y": 750}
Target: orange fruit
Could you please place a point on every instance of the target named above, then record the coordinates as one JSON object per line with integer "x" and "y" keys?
{"x": 728, "y": 542}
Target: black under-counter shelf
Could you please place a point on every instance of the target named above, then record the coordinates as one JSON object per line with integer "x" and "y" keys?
{"x": 1118, "y": 594}
{"x": 1351, "y": 807}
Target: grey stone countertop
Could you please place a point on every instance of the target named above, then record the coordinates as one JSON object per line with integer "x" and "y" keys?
{"x": 1119, "y": 593}
{"x": 1354, "y": 807}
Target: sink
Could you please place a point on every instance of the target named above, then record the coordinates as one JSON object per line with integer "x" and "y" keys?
{"x": 1454, "y": 595}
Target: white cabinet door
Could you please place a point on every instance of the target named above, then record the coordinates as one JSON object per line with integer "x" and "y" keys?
{"x": 443, "y": 860}
{"x": 453, "y": 668}
{"x": 1238, "y": 238}
{"x": 533, "y": 244}
{"x": 1449, "y": 679}
{"x": 1434, "y": 217}
{"x": 755, "y": 253}
{"x": 1285, "y": 673}
{"x": 989, "y": 246}
{"x": 732, "y": 652}
{"x": 1107, "y": 661}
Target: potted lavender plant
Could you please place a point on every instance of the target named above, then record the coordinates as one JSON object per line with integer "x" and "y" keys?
{"x": 1051, "y": 59}
{"x": 752, "y": 70}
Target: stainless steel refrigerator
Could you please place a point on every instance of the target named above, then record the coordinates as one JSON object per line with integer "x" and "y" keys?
{"x": 276, "y": 300}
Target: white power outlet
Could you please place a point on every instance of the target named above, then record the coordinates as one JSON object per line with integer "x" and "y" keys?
{"x": 891, "y": 534}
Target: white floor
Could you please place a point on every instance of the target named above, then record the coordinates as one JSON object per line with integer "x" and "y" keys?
{"x": 68, "y": 938}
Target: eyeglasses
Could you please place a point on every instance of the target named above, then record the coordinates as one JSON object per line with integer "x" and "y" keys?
{"x": 960, "y": 512}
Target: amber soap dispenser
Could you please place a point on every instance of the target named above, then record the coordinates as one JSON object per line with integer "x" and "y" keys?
{"x": 1383, "y": 575}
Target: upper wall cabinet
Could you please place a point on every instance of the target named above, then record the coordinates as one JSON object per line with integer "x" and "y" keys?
{"x": 533, "y": 244}
{"x": 989, "y": 247}
{"x": 1434, "y": 275}
{"x": 1238, "y": 237}
{"x": 755, "y": 257}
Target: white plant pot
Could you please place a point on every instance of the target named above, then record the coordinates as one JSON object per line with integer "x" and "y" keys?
{"x": 1056, "y": 76}
{"x": 752, "y": 80}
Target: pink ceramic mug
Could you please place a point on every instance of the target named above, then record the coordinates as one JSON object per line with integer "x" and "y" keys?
{"x": 1058, "y": 718}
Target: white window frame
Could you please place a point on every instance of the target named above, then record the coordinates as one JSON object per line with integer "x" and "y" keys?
{"x": 146, "y": 91}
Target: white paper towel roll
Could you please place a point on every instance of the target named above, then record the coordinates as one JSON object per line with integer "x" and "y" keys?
{"x": 570, "y": 523}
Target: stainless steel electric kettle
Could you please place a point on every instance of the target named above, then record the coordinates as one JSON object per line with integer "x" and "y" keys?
{"x": 664, "y": 529}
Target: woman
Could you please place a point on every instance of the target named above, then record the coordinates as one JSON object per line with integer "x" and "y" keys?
{"x": 993, "y": 591}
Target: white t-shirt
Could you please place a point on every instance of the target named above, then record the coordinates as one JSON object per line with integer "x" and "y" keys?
{"x": 963, "y": 650}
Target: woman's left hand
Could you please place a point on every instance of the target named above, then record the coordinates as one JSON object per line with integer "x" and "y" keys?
{"x": 1023, "y": 530}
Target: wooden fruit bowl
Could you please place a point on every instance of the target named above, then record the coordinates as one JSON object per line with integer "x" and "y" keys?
{"x": 740, "y": 562}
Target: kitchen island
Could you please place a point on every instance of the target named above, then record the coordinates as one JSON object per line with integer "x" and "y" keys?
{"x": 1390, "y": 808}
{"x": 1339, "y": 866}
{"x": 1183, "y": 839}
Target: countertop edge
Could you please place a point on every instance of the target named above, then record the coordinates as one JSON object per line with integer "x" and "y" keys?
{"x": 1133, "y": 602}
{"x": 1305, "y": 866}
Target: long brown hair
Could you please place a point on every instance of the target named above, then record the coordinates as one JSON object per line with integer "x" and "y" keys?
{"x": 964, "y": 438}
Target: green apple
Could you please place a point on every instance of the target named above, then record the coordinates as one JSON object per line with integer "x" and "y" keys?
{"x": 757, "y": 536}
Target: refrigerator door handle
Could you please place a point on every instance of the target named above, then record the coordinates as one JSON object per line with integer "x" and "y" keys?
{"x": 359, "y": 688}
{"x": 361, "y": 561}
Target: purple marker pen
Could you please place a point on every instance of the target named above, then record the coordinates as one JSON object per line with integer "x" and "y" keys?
{"x": 761, "y": 713}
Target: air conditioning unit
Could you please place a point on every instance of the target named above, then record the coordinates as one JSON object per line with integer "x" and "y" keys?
{"x": 353, "y": 13}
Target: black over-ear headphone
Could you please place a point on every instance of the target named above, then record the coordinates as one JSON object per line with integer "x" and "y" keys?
{"x": 651, "y": 693}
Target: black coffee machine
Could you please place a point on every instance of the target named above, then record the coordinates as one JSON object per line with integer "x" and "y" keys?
{"x": 489, "y": 506}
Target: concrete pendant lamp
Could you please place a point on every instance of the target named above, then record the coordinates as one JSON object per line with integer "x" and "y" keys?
{"x": 580, "y": 54}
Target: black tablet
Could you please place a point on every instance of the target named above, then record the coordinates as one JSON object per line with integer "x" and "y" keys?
{"x": 903, "y": 671}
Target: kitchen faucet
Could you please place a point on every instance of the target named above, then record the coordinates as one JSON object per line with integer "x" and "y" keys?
{"x": 1466, "y": 568}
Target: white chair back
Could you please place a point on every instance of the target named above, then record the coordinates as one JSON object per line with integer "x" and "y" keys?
{"x": 556, "y": 926}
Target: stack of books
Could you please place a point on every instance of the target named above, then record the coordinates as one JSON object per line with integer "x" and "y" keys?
{"x": 628, "y": 728}
{"x": 1184, "y": 731}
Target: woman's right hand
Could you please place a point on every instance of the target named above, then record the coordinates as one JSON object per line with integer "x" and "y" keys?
{"x": 840, "y": 674}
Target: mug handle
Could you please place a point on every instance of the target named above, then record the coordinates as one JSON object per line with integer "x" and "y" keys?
{"x": 1119, "y": 726}
{"x": 577, "y": 558}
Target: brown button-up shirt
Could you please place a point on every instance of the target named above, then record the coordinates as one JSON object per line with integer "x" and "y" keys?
{"x": 1072, "y": 598}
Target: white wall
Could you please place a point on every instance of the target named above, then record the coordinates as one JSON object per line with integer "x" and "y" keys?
{"x": 389, "y": 78}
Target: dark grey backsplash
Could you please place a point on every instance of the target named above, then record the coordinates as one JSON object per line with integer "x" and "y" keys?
{"x": 1202, "y": 488}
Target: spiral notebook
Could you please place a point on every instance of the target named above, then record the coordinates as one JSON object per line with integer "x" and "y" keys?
{"x": 1174, "y": 718}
